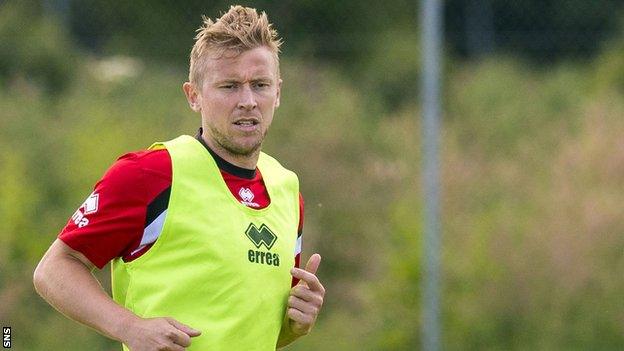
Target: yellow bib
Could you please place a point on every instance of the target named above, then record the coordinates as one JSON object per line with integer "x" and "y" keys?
{"x": 218, "y": 265}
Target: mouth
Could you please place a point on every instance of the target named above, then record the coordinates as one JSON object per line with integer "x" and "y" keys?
{"x": 246, "y": 124}
{"x": 246, "y": 121}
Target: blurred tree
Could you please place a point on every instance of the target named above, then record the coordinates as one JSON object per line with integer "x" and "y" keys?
{"x": 339, "y": 30}
{"x": 34, "y": 48}
{"x": 533, "y": 171}
{"x": 542, "y": 30}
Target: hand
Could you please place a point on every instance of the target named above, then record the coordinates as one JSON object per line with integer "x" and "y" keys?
{"x": 306, "y": 298}
{"x": 159, "y": 334}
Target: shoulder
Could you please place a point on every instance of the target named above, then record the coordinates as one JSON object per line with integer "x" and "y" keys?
{"x": 269, "y": 163}
{"x": 156, "y": 159}
{"x": 111, "y": 221}
{"x": 268, "y": 159}
{"x": 139, "y": 165}
{"x": 139, "y": 174}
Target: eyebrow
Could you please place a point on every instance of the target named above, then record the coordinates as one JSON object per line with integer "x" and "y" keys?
{"x": 236, "y": 80}
{"x": 228, "y": 80}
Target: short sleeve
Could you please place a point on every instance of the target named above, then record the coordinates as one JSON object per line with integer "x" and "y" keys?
{"x": 111, "y": 219}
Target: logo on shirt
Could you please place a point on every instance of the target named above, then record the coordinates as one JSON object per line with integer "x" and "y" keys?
{"x": 259, "y": 237}
{"x": 247, "y": 197}
{"x": 91, "y": 204}
{"x": 88, "y": 207}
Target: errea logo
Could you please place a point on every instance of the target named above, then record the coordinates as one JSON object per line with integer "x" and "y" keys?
{"x": 89, "y": 206}
{"x": 263, "y": 236}
{"x": 259, "y": 237}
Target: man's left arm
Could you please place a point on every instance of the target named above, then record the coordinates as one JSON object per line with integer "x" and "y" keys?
{"x": 304, "y": 303}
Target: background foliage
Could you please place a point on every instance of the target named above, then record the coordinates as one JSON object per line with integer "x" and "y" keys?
{"x": 533, "y": 164}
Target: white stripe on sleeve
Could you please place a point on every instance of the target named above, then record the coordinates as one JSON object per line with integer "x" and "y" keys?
{"x": 298, "y": 245}
{"x": 152, "y": 231}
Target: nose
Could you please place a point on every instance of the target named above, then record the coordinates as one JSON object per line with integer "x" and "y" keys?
{"x": 247, "y": 100}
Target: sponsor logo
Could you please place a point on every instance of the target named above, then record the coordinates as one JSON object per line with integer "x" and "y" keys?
{"x": 88, "y": 207}
{"x": 261, "y": 257}
{"x": 247, "y": 197}
{"x": 262, "y": 236}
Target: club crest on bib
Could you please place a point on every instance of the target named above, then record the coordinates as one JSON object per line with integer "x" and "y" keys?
{"x": 247, "y": 197}
{"x": 246, "y": 194}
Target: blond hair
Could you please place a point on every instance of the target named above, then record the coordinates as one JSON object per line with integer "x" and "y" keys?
{"x": 238, "y": 30}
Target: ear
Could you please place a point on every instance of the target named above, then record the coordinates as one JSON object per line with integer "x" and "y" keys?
{"x": 192, "y": 96}
{"x": 279, "y": 90}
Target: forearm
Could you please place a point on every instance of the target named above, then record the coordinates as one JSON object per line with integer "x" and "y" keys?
{"x": 70, "y": 287}
{"x": 286, "y": 336}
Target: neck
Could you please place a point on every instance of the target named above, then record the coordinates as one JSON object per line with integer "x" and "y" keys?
{"x": 243, "y": 161}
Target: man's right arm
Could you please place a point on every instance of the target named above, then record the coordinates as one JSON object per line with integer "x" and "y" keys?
{"x": 109, "y": 224}
{"x": 64, "y": 279}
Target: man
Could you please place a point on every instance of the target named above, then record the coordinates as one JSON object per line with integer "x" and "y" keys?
{"x": 203, "y": 233}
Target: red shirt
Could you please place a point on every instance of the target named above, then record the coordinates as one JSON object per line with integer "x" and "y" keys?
{"x": 123, "y": 216}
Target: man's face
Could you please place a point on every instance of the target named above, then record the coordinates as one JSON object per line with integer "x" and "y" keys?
{"x": 237, "y": 100}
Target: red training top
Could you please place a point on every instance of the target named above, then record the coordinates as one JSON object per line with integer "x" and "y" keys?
{"x": 124, "y": 215}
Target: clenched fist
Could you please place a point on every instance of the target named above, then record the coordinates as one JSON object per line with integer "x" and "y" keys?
{"x": 158, "y": 334}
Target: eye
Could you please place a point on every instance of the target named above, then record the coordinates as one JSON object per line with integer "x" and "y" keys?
{"x": 228, "y": 86}
{"x": 261, "y": 85}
